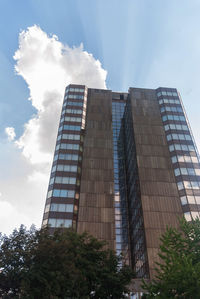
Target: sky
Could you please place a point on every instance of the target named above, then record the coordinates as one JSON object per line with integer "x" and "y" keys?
{"x": 46, "y": 45}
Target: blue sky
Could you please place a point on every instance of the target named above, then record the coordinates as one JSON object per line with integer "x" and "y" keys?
{"x": 140, "y": 43}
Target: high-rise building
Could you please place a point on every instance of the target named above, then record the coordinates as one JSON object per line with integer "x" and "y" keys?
{"x": 125, "y": 167}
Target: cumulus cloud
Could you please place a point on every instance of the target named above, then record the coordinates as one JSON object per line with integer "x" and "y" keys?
{"x": 8, "y": 212}
{"x": 47, "y": 66}
{"x": 10, "y": 131}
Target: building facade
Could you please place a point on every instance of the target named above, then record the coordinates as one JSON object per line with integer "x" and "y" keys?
{"x": 125, "y": 167}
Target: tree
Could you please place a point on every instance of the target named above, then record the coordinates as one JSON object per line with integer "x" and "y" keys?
{"x": 178, "y": 274}
{"x": 15, "y": 260}
{"x": 35, "y": 264}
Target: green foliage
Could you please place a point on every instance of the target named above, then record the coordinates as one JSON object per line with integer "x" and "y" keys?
{"x": 178, "y": 275}
{"x": 35, "y": 264}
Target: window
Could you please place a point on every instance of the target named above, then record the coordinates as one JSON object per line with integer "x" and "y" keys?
{"x": 67, "y": 168}
{"x": 69, "y": 127}
{"x": 63, "y": 193}
{"x": 75, "y": 96}
{"x": 55, "y": 207}
{"x": 184, "y": 171}
{"x": 191, "y": 199}
{"x": 197, "y": 199}
{"x": 195, "y": 185}
{"x": 47, "y": 208}
{"x": 166, "y": 127}
{"x": 59, "y": 222}
{"x": 173, "y": 117}
{"x": 164, "y": 118}
{"x": 194, "y": 159}
{"x": 75, "y": 119}
{"x": 180, "y": 185}
{"x": 197, "y": 171}
{"x": 76, "y": 89}
{"x": 191, "y": 148}
{"x": 51, "y": 181}
{"x": 187, "y": 159}
{"x": 174, "y": 159}
{"x": 49, "y": 194}
{"x": 191, "y": 171}
{"x": 55, "y": 157}
{"x": 177, "y": 171}
{"x": 187, "y": 216}
{"x": 184, "y": 147}
{"x": 178, "y": 147}
{"x": 183, "y": 200}
{"x": 53, "y": 169}
{"x": 171, "y": 148}
{"x": 162, "y": 109}
{"x": 75, "y": 104}
{"x": 180, "y": 158}
{"x": 74, "y": 111}
{"x": 70, "y": 137}
{"x": 169, "y": 137}
{"x": 188, "y": 137}
{"x": 65, "y": 180}
{"x": 187, "y": 185}
{"x": 52, "y": 222}
{"x": 69, "y": 146}
{"x": 44, "y": 222}
{"x": 195, "y": 215}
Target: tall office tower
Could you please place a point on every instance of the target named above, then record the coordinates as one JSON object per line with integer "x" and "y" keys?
{"x": 125, "y": 167}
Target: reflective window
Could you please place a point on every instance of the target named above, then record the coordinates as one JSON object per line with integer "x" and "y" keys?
{"x": 171, "y": 148}
{"x": 187, "y": 216}
{"x": 75, "y": 119}
{"x": 194, "y": 159}
{"x": 195, "y": 215}
{"x": 55, "y": 207}
{"x": 184, "y": 171}
{"x": 67, "y": 168}
{"x": 73, "y": 111}
{"x": 177, "y": 171}
{"x": 76, "y": 89}
{"x": 173, "y": 117}
{"x": 174, "y": 159}
{"x": 63, "y": 193}
{"x": 197, "y": 198}
{"x": 59, "y": 222}
{"x": 191, "y": 171}
{"x": 75, "y": 96}
{"x": 75, "y": 104}
{"x": 197, "y": 171}
{"x": 44, "y": 222}
{"x": 69, "y": 157}
{"x": 69, "y": 127}
{"x": 49, "y": 194}
{"x": 69, "y": 137}
{"x": 67, "y": 146}
{"x": 180, "y": 185}
{"x": 195, "y": 185}
{"x": 191, "y": 199}
{"x": 47, "y": 208}
{"x": 64, "y": 180}
{"x": 184, "y": 200}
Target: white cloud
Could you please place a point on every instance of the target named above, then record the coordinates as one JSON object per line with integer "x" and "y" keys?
{"x": 7, "y": 213}
{"x": 48, "y": 67}
{"x": 10, "y": 131}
